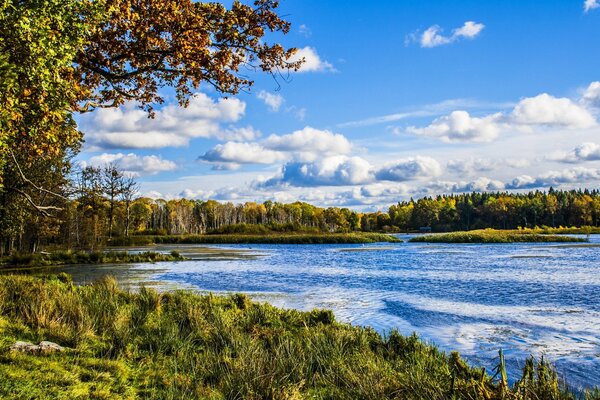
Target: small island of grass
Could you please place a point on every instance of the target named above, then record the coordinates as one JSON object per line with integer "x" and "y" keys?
{"x": 496, "y": 236}
{"x": 84, "y": 257}
{"x": 269, "y": 238}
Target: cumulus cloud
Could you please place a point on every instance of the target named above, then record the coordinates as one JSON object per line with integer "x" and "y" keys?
{"x": 342, "y": 170}
{"x": 584, "y": 152}
{"x": 465, "y": 166}
{"x": 542, "y": 111}
{"x": 272, "y": 100}
{"x": 480, "y": 184}
{"x": 329, "y": 171}
{"x": 591, "y": 95}
{"x": 242, "y": 153}
{"x": 409, "y": 169}
{"x": 132, "y": 163}
{"x": 589, "y": 5}
{"x": 304, "y": 145}
{"x": 312, "y": 61}
{"x": 433, "y": 36}
{"x": 551, "y": 111}
{"x": 310, "y": 141}
{"x": 173, "y": 126}
{"x": 460, "y": 126}
{"x": 556, "y": 178}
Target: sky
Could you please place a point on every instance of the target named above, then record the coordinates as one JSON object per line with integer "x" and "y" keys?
{"x": 396, "y": 99}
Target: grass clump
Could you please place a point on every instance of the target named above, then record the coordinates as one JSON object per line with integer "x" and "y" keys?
{"x": 182, "y": 345}
{"x": 267, "y": 238}
{"x": 495, "y": 236}
{"x": 83, "y": 257}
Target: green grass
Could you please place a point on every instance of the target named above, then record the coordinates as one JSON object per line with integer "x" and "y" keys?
{"x": 495, "y": 236}
{"x": 562, "y": 230}
{"x": 182, "y": 345}
{"x": 274, "y": 238}
{"x": 82, "y": 257}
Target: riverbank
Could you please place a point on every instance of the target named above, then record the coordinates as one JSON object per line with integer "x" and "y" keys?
{"x": 496, "y": 236}
{"x": 83, "y": 257}
{"x": 275, "y": 238}
{"x": 186, "y": 346}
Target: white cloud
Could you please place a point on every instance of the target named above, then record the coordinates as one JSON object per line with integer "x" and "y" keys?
{"x": 542, "y": 111}
{"x": 590, "y": 5}
{"x": 328, "y": 171}
{"x": 311, "y": 142}
{"x": 551, "y": 111}
{"x": 312, "y": 61}
{"x": 460, "y": 126}
{"x": 409, "y": 169}
{"x": 304, "y": 145}
{"x": 433, "y": 37}
{"x": 466, "y": 166}
{"x": 556, "y": 178}
{"x": 480, "y": 184}
{"x": 584, "y": 152}
{"x": 273, "y": 101}
{"x": 591, "y": 95}
{"x": 133, "y": 164}
{"x": 342, "y": 170}
{"x": 242, "y": 153}
{"x": 173, "y": 126}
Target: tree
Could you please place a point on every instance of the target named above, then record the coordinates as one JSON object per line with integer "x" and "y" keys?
{"x": 58, "y": 57}
{"x": 144, "y": 45}
{"x": 128, "y": 190}
{"x": 112, "y": 182}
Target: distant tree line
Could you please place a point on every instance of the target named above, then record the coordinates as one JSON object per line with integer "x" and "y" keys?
{"x": 495, "y": 210}
{"x": 99, "y": 203}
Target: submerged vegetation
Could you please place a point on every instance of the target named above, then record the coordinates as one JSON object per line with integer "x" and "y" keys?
{"x": 82, "y": 257}
{"x": 496, "y": 236}
{"x": 182, "y": 345}
{"x": 279, "y": 238}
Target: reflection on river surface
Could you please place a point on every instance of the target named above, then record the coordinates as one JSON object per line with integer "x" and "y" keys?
{"x": 524, "y": 298}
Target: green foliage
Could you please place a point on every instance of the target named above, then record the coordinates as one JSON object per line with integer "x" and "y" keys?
{"x": 184, "y": 346}
{"x": 495, "y": 236}
{"x": 443, "y": 213}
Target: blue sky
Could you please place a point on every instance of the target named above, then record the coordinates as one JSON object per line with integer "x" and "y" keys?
{"x": 396, "y": 99}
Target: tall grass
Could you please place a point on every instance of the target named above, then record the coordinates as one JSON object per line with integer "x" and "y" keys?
{"x": 495, "y": 236}
{"x": 184, "y": 346}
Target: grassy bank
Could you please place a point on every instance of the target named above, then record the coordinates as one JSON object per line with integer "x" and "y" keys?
{"x": 276, "y": 238}
{"x": 82, "y": 257}
{"x": 495, "y": 236}
{"x": 185, "y": 346}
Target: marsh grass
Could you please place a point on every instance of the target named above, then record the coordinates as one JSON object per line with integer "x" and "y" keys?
{"x": 496, "y": 236}
{"x": 83, "y": 257}
{"x": 180, "y": 345}
{"x": 267, "y": 238}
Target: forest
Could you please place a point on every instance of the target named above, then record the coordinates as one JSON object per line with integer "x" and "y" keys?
{"x": 102, "y": 203}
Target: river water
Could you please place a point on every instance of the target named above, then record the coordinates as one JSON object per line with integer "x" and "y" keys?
{"x": 527, "y": 299}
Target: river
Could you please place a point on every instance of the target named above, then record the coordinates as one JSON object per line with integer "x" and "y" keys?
{"x": 527, "y": 299}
